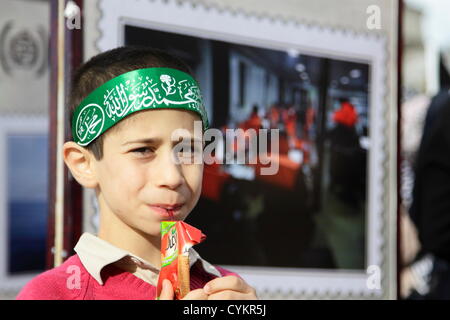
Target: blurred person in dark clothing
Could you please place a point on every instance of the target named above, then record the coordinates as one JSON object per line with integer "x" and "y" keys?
{"x": 254, "y": 120}
{"x": 347, "y": 158}
{"x": 341, "y": 217}
{"x": 430, "y": 209}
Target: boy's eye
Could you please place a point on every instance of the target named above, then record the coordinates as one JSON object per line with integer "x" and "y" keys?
{"x": 142, "y": 150}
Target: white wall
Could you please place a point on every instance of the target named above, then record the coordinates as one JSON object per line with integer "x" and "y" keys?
{"x": 24, "y": 90}
{"x": 24, "y": 71}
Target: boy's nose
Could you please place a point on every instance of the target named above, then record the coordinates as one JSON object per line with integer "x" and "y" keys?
{"x": 169, "y": 173}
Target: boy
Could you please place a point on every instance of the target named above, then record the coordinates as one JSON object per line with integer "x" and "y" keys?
{"x": 125, "y": 105}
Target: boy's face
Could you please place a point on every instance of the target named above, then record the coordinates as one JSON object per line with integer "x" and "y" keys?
{"x": 137, "y": 177}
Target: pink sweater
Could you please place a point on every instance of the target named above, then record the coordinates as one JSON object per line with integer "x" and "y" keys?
{"x": 58, "y": 284}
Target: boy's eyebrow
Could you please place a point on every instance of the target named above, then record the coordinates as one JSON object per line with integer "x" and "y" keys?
{"x": 145, "y": 140}
{"x": 156, "y": 140}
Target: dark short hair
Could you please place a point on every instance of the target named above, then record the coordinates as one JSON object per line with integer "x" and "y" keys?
{"x": 110, "y": 64}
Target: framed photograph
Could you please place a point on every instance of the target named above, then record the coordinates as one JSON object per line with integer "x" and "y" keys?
{"x": 23, "y": 198}
{"x": 321, "y": 225}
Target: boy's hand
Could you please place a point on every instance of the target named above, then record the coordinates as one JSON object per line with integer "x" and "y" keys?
{"x": 225, "y": 288}
{"x": 166, "y": 291}
{"x": 168, "y": 294}
{"x": 229, "y": 288}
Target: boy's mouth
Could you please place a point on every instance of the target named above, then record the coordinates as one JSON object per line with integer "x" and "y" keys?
{"x": 167, "y": 210}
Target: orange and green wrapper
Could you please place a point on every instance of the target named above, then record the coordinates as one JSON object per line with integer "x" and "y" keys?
{"x": 177, "y": 238}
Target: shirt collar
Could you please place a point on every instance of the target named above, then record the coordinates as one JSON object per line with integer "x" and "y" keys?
{"x": 96, "y": 253}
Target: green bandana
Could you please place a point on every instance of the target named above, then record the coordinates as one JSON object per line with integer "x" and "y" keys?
{"x": 142, "y": 89}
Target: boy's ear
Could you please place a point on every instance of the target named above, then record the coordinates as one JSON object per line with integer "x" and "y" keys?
{"x": 81, "y": 164}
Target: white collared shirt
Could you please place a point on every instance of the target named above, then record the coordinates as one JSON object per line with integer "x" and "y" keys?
{"x": 96, "y": 253}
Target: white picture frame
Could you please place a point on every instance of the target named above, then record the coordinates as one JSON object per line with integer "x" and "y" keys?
{"x": 379, "y": 280}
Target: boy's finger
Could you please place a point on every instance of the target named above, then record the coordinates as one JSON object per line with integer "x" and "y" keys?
{"x": 166, "y": 291}
{"x": 226, "y": 295}
{"x": 198, "y": 294}
{"x": 232, "y": 295}
{"x": 226, "y": 283}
